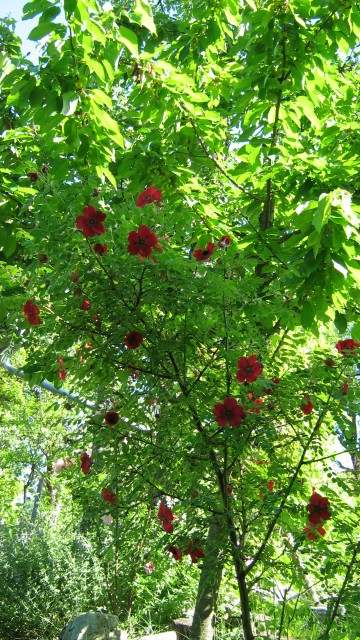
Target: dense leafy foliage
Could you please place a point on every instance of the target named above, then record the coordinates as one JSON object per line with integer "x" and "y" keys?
{"x": 213, "y": 147}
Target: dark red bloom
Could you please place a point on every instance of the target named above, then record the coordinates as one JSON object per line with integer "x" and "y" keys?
{"x": 86, "y": 463}
{"x": 111, "y": 418}
{"x": 194, "y": 551}
{"x": 151, "y": 194}
{"x": 229, "y": 490}
{"x": 75, "y": 276}
{"x": 347, "y": 346}
{"x": 308, "y": 407}
{"x": 85, "y": 305}
{"x": 109, "y": 495}
{"x": 229, "y": 412}
{"x": 133, "y": 339}
{"x": 62, "y": 372}
{"x": 224, "y": 241}
{"x": 345, "y": 388}
{"x": 318, "y": 509}
{"x": 314, "y": 532}
{"x": 177, "y": 555}
{"x": 100, "y": 248}
{"x": 32, "y": 312}
{"x": 330, "y": 363}
{"x": 270, "y": 485}
{"x": 204, "y": 254}
{"x": 165, "y": 515}
{"x": 33, "y": 177}
{"x": 142, "y": 241}
{"x": 249, "y": 369}
{"x": 91, "y": 223}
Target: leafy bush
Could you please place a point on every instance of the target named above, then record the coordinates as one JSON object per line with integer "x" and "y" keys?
{"x": 47, "y": 577}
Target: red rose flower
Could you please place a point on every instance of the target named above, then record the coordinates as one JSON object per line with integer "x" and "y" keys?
{"x": 151, "y": 194}
{"x": 318, "y": 509}
{"x": 33, "y": 177}
{"x": 229, "y": 412}
{"x": 347, "y": 346}
{"x": 270, "y": 485}
{"x": 194, "y": 551}
{"x": 91, "y": 223}
{"x": 224, "y": 241}
{"x": 32, "y": 312}
{"x": 85, "y": 305}
{"x": 313, "y": 532}
{"x": 203, "y": 254}
{"x": 229, "y": 490}
{"x": 307, "y": 408}
{"x": 109, "y": 495}
{"x": 142, "y": 241}
{"x": 100, "y": 248}
{"x": 249, "y": 369}
{"x": 165, "y": 515}
{"x": 86, "y": 463}
{"x": 111, "y": 418}
{"x": 177, "y": 555}
{"x": 133, "y": 339}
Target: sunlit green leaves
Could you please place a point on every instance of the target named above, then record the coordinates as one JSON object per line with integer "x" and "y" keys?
{"x": 142, "y": 15}
{"x": 129, "y": 39}
{"x": 70, "y": 102}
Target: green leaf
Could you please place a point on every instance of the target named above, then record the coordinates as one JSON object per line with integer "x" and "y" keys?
{"x": 97, "y": 67}
{"x": 96, "y": 31}
{"x": 109, "y": 123}
{"x": 72, "y": 134}
{"x": 32, "y": 9}
{"x": 101, "y": 97}
{"x": 8, "y": 242}
{"x": 42, "y": 30}
{"x": 70, "y": 102}
{"x": 322, "y": 212}
{"x": 307, "y": 315}
{"x": 142, "y": 15}
{"x": 340, "y": 322}
{"x": 69, "y": 6}
{"x": 355, "y": 332}
{"x": 129, "y": 39}
{"x": 49, "y": 15}
{"x": 307, "y": 108}
{"x": 251, "y": 4}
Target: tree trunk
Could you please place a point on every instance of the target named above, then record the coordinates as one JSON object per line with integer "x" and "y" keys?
{"x": 209, "y": 583}
{"x": 37, "y": 500}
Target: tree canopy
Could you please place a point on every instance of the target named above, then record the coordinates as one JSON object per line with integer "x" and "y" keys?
{"x": 179, "y": 246}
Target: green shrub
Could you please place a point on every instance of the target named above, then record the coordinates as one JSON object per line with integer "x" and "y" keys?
{"x": 47, "y": 577}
